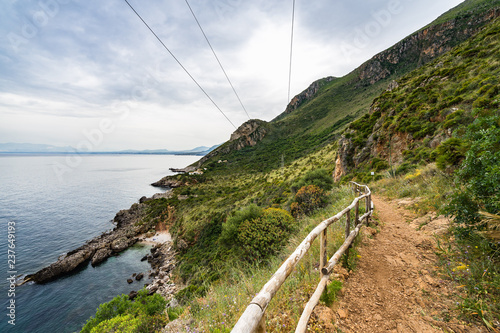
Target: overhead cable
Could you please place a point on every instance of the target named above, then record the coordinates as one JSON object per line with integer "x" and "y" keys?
{"x": 215, "y": 55}
{"x": 291, "y": 52}
{"x": 173, "y": 56}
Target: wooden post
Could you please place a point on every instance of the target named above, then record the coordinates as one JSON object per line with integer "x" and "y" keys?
{"x": 368, "y": 208}
{"x": 356, "y": 217}
{"x": 347, "y": 228}
{"x": 322, "y": 249}
{"x": 262, "y": 325}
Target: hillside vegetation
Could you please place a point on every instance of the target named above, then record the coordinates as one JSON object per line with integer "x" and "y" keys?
{"x": 263, "y": 191}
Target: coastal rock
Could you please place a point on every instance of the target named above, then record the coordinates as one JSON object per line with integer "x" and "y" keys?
{"x": 152, "y": 289}
{"x": 63, "y": 266}
{"x": 129, "y": 216}
{"x": 167, "y": 195}
{"x": 168, "y": 182}
{"x": 139, "y": 276}
{"x": 101, "y": 255}
{"x": 129, "y": 281}
{"x": 121, "y": 244}
{"x": 99, "y": 248}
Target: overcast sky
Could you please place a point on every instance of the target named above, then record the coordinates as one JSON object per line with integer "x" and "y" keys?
{"x": 89, "y": 74}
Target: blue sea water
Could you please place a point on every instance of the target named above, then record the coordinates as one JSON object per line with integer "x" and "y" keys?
{"x": 56, "y": 205}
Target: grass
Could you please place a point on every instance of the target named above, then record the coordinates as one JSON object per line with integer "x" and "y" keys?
{"x": 431, "y": 186}
{"x": 474, "y": 266}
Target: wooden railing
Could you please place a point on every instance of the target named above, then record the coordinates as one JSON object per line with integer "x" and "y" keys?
{"x": 253, "y": 319}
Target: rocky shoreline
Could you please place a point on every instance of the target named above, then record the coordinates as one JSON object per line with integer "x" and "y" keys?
{"x": 127, "y": 232}
{"x": 162, "y": 261}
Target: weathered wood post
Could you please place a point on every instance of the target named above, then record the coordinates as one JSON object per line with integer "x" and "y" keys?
{"x": 356, "y": 217}
{"x": 368, "y": 208}
{"x": 323, "y": 241}
{"x": 347, "y": 229}
{"x": 262, "y": 325}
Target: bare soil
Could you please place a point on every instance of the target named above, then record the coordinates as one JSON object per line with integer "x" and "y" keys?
{"x": 395, "y": 286}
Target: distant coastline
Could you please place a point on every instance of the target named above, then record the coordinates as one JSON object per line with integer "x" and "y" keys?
{"x": 42, "y": 149}
{"x": 35, "y": 153}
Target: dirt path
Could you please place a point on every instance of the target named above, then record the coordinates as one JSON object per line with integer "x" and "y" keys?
{"x": 395, "y": 287}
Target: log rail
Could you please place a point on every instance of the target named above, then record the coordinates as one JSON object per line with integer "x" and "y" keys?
{"x": 253, "y": 319}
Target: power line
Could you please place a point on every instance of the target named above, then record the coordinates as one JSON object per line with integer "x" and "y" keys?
{"x": 291, "y": 52}
{"x": 173, "y": 56}
{"x": 215, "y": 55}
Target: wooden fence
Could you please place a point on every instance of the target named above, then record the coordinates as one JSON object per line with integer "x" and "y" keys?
{"x": 253, "y": 319}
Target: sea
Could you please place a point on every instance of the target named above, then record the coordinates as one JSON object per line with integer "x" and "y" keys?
{"x": 51, "y": 204}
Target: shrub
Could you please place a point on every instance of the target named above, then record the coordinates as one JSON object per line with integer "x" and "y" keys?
{"x": 319, "y": 177}
{"x": 230, "y": 227}
{"x": 122, "y": 324}
{"x": 330, "y": 293}
{"x": 479, "y": 176}
{"x": 449, "y": 153}
{"x": 307, "y": 199}
{"x": 265, "y": 235}
{"x": 145, "y": 314}
{"x": 378, "y": 164}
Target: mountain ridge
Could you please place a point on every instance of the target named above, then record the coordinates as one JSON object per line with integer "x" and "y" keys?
{"x": 317, "y": 115}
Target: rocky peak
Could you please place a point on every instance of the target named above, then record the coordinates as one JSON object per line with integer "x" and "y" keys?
{"x": 245, "y": 130}
{"x": 307, "y": 94}
{"x": 248, "y": 134}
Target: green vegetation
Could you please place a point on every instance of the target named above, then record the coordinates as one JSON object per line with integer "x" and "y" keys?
{"x": 318, "y": 177}
{"x": 308, "y": 199}
{"x": 230, "y": 229}
{"x": 478, "y": 179}
{"x": 331, "y": 293}
{"x": 432, "y": 109}
{"x": 265, "y": 235}
{"x": 144, "y": 314}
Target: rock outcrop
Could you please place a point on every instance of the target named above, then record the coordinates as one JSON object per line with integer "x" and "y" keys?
{"x": 99, "y": 248}
{"x": 247, "y": 135}
{"x": 168, "y": 182}
{"x": 343, "y": 163}
{"x": 307, "y": 94}
{"x": 423, "y": 46}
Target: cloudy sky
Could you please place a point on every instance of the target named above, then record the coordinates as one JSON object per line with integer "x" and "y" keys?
{"x": 89, "y": 74}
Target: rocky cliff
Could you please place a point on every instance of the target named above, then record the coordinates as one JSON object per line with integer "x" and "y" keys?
{"x": 423, "y": 46}
{"x": 408, "y": 123}
{"x": 307, "y": 94}
{"x": 247, "y": 135}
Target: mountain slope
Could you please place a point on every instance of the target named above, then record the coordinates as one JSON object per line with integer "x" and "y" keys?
{"x": 316, "y": 116}
{"x": 427, "y": 107}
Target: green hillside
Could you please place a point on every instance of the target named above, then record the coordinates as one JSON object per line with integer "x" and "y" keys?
{"x": 431, "y": 107}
